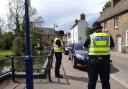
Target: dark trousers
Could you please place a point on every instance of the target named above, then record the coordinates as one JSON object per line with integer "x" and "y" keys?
{"x": 58, "y": 56}
{"x": 101, "y": 68}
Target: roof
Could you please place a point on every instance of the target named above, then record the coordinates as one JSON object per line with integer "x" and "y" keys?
{"x": 120, "y": 7}
{"x": 46, "y": 30}
{"x": 76, "y": 23}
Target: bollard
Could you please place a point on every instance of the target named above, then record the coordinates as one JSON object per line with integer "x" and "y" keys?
{"x": 29, "y": 72}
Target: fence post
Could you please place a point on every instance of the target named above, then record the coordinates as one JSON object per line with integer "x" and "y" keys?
{"x": 13, "y": 69}
{"x": 49, "y": 68}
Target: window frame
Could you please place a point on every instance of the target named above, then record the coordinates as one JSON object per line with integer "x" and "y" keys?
{"x": 127, "y": 37}
{"x": 116, "y": 22}
{"x": 105, "y": 26}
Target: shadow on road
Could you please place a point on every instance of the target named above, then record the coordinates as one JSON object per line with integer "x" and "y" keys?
{"x": 84, "y": 79}
{"x": 82, "y": 68}
{"x": 113, "y": 69}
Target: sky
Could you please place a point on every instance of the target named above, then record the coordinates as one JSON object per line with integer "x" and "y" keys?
{"x": 62, "y": 12}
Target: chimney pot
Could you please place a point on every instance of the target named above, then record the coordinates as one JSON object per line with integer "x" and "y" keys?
{"x": 82, "y": 16}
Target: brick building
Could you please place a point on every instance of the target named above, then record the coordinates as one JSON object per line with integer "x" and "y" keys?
{"x": 115, "y": 21}
{"x": 47, "y": 36}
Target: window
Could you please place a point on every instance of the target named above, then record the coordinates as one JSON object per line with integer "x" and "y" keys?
{"x": 116, "y": 22}
{"x": 69, "y": 35}
{"x": 105, "y": 25}
{"x": 127, "y": 37}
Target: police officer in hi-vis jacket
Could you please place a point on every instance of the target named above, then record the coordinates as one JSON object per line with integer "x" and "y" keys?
{"x": 58, "y": 49}
{"x": 98, "y": 45}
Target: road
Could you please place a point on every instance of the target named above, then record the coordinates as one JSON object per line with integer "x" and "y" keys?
{"x": 120, "y": 68}
{"x": 77, "y": 78}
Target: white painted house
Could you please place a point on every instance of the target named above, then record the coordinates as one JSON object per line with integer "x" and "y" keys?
{"x": 79, "y": 29}
{"x": 68, "y": 37}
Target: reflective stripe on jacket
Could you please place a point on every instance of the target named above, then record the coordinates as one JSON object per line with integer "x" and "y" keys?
{"x": 99, "y": 44}
{"x": 56, "y": 48}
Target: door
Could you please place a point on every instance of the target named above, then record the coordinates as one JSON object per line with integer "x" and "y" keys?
{"x": 119, "y": 44}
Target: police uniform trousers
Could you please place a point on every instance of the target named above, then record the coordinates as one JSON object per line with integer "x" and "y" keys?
{"x": 58, "y": 56}
{"x": 99, "y": 67}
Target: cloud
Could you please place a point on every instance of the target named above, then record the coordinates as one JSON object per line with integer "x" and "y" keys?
{"x": 3, "y": 8}
{"x": 63, "y": 12}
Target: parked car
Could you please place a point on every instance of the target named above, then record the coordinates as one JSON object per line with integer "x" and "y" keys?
{"x": 66, "y": 50}
{"x": 78, "y": 55}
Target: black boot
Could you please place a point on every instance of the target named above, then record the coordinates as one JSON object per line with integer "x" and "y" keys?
{"x": 59, "y": 76}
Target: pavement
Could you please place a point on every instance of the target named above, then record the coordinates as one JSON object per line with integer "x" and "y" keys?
{"x": 120, "y": 68}
{"x": 78, "y": 79}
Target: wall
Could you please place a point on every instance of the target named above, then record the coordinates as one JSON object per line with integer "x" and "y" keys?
{"x": 74, "y": 35}
{"x": 81, "y": 31}
{"x": 121, "y": 31}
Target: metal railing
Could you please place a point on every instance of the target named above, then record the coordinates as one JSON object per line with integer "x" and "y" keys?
{"x": 7, "y": 67}
{"x": 11, "y": 62}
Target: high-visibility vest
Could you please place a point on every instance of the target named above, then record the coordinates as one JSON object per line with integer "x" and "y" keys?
{"x": 56, "y": 48}
{"x": 99, "y": 44}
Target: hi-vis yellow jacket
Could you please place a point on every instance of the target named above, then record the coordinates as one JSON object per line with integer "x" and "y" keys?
{"x": 56, "y": 48}
{"x": 99, "y": 44}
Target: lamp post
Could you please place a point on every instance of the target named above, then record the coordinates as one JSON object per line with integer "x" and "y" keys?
{"x": 55, "y": 26}
{"x": 28, "y": 58}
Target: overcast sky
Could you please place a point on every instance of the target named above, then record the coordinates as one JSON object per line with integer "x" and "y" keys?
{"x": 63, "y": 12}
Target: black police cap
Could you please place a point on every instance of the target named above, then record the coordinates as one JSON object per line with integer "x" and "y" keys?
{"x": 61, "y": 32}
{"x": 96, "y": 25}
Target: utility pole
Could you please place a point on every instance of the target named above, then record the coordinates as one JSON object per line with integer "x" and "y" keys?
{"x": 28, "y": 58}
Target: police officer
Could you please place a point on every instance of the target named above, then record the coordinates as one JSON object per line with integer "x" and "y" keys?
{"x": 98, "y": 45}
{"x": 58, "y": 49}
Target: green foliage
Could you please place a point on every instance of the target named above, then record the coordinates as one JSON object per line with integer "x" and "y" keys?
{"x": 1, "y": 41}
{"x": 34, "y": 35}
{"x": 107, "y": 5}
{"x": 6, "y": 40}
{"x": 5, "y": 53}
{"x": 18, "y": 46}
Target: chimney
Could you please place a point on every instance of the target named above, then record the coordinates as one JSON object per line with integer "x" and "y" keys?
{"x": 76, "y": 21}
{"x": 82, "y": 16}
{"x": 114, "y": 2}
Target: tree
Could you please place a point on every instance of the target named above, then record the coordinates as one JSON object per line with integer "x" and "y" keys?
{"x": 1, "y": 25}
{"x": 34, "y": 18}
{"x": 15, "y": 16}
{"x": 107, "y": 5}
{"x": 16, "y": 19}
{"x": 18, "y": 46}
{"x": 1, "y": 31}
{"x": 34, "y": 35}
